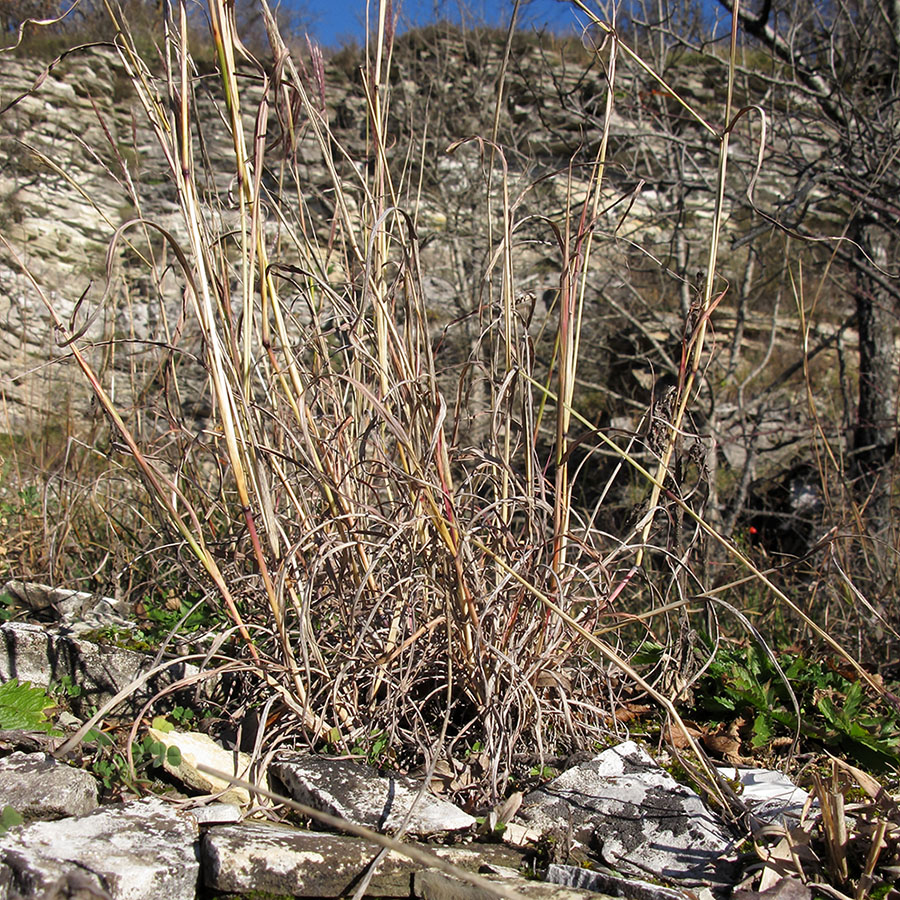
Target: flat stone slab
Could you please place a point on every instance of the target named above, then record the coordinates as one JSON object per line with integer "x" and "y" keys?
{"x": 43, "y": 655}
{"x": 143, "y": 850}
{"x": 355, "y": 792}
{"x": 37, "y": 786}
{"x": 637, "y": 817}
{"x": 281, "y": 860}
{"x": 602, "y": 879}
{"x": 79, "y": 611}
{"x": 198, "y": 749}
{"x": 432, "y": 885}
{"x": 217, "y": 813}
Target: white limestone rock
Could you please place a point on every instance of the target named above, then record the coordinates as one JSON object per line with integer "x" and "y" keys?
{"x": 637, "y": 817}
{"x": 43, "y": 655}
{"x": 357, "y": 793}
{"x": 605, "y": 880}
{"x": 217, "y": 813}
{"x": 37, "y": 786}
{"x": 198, "y": 749}
{"x": 143, "y": 850}
{"x": 432, "y": 885}
{"x": 769, "y": 795}
{"x": 286, "y": 861}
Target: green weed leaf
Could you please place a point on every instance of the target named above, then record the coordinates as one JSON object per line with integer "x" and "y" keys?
{"x": 763, "y": 731}
{"x": 9, "y": 818}
{"x": 24, "y": 707}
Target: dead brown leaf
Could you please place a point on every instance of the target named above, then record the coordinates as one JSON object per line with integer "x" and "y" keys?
{"x": 630, "y": 711}
{"x": 678, "y": 739}
{"x": 725, "y": 742}
{"x": 869, "y": 784}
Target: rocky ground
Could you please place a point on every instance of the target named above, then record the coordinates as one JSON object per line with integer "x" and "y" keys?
{"x": 615, "y": 824}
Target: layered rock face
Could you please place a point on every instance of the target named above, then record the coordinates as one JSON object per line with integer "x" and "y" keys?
{"x": 59, "y": 207}
{"x": 81, "y": 161}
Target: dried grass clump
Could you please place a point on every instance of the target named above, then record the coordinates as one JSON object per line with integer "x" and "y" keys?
{"x": 395, "y": 579}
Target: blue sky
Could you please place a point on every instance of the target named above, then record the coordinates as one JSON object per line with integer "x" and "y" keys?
{"x": 335, "y": 21}
{"x": 338, "y": 19}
